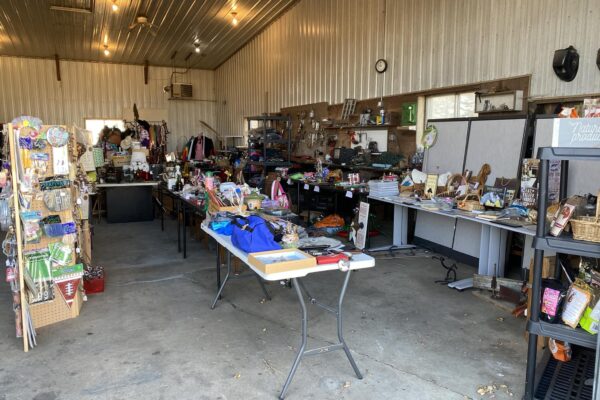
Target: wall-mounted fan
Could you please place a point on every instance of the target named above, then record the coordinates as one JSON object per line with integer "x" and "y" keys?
{"x": 142, "y": 21}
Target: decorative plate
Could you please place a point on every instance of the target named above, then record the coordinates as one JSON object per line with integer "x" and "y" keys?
{"x": 25, "y": 121}
{"x": 57, "y": 136}
{"x": 429, "y": 137}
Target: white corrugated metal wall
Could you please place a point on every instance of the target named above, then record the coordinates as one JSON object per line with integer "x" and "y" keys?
{"x": 101, "y": 90}
{"x": 324, "y": 50}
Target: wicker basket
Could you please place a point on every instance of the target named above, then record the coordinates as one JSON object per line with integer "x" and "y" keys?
{"x": 469, "y": 202}
{"x": 587, "y": 228}
{"x": 416, "y": 187}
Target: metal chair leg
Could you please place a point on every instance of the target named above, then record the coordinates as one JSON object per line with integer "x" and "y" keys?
{"x": 339, "y": 327}
{"x": 303, "y": 343}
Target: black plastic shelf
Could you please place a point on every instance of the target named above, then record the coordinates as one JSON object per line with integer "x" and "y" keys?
{"x": 567, "y": 245}
{"x": 571, "y": 380}
{"x": 382, "y": 126}
{"x": 562, "y": 332}
{"x": 268, "y": 118}
{"x": 568, "y": 153}
{"x": 271, "y": 163}
{"x": 281, "y": 141}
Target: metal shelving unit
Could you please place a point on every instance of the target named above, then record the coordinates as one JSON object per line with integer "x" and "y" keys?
{"x": 565, "y": 245}
{"x": 267, "y": 123}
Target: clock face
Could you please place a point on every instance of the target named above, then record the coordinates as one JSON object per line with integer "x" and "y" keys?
{"x": 381, "y": 65}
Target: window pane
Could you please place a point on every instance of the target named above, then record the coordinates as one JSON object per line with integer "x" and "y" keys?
{"x": 96, "y": 125}
{"x": 466, "y": 105}
{"x": 441, "y": 106}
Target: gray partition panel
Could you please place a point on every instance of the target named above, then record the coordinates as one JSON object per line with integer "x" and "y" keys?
{"x": 448, "y": 152}
{"x": 580, "y": 172}
{"x": 498, "y": 143}
{"x": 435, "y": 228}
{"x": 468, "y": 237}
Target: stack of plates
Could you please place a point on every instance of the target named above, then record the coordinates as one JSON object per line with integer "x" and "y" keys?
{"x": 383, "y": 188}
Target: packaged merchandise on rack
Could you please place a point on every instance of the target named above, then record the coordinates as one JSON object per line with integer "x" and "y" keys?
{"x": 48, "y": 185}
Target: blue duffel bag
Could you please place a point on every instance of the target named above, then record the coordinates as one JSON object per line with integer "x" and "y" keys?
{"x": 252, "y": 234}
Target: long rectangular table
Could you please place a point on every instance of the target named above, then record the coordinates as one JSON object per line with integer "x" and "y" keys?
{"x": 358, "y": 261}
{"x": 183, "y": 206}
{"x": 493, "y": 236}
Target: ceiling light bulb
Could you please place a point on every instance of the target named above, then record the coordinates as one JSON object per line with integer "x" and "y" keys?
{"x": 234, "y": 21}
{"x": 106, "y": 51}
{"x": 197, "y": 49}
{"x": 115, "y": 7}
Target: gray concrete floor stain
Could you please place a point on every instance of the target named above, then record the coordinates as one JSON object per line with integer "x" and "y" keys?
{"x": 152, "y": 335}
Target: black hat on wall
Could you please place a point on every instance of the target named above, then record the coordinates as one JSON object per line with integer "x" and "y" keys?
{"x": 566, "y": 63}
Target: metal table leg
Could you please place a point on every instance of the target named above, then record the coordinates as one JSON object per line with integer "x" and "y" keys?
{"x": 178, "y": 226}
{"x": 218, "y": 296}
{"x": 302, "y": 348}
{"x": 262, "y": 286}
{"x": 162, "y": 210}
{"x": 340, "y": 326}
{"x": 341, "y": 345}
{"x": 218, "y": 266}
{"x": 298, "y": 196}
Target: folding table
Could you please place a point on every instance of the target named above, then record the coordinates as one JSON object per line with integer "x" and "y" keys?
{"x": 492, "y": 244}
{"x": 358, "y": 261}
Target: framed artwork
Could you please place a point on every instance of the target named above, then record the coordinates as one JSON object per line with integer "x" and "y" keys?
{"x": 431, "y": 185}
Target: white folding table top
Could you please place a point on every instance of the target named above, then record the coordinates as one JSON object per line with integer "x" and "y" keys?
{"x": 456, "y": 214}
{"x": 359, "y": 261}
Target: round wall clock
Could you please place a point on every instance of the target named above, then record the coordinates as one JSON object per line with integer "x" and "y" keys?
{"x": 381, "y": 65}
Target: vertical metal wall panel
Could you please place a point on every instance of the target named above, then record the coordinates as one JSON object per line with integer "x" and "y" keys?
{"x": 324, "y": 50}
{"x": 99, "y": 90}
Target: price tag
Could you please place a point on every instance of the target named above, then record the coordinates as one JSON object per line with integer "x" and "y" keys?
{"x": 306, "y": 187}
{"x": 349, "y": 194}
{"x": 289, "y": 182}
{"x": 317, "y": 189}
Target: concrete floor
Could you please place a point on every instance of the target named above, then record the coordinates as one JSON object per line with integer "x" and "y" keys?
{"x": 151, "y": 335}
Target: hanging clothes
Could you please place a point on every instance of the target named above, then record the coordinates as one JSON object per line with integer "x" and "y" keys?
{"x": 201, "y": 147}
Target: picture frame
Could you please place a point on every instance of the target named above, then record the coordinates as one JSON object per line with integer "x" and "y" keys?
{"x": 431, "y": 186}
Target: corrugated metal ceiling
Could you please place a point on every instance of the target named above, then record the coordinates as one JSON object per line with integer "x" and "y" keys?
{"x": 30, "y": 28}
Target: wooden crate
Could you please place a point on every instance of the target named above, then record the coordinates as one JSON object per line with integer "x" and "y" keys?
{"x": 53, "y": 311}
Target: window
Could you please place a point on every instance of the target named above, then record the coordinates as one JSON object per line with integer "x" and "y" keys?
{"x": 96, "y": 125}
{"x": 459, "y": 105}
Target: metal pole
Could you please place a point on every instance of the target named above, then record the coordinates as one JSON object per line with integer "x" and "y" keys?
{"x": 303, "y": 342}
